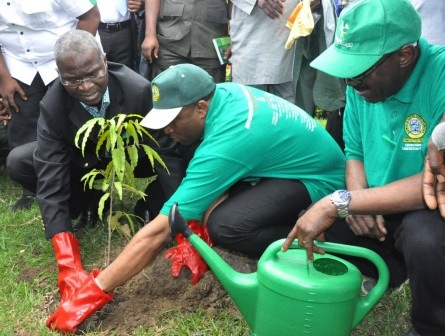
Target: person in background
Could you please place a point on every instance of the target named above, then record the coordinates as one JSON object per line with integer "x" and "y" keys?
{"x": 258, "y": 33}
{"x": 254, "y": 169}
{"x": 182, "y": 32}
{"x": 28, "y": 31}
{"x": 118, "y": 31}
{"x": 432, "y": 13}
{"x": 313, "y": 88}
{"x": 395, "y": 98}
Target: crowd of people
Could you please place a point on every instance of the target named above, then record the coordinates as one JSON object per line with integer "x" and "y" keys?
{"x": 246, "y": 159}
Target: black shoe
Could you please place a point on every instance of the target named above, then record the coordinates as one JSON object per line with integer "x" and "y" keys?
{"x": 412, "y": 332}
{"x": 88, "y": 218}
{"x": 23, "y": 203}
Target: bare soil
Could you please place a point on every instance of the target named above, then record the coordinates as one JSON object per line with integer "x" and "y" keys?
{"x": 155, "y": 291}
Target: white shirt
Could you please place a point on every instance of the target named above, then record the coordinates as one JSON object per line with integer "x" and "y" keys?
{"x": 112, "y": 11}
{"x": 28, "y": 31}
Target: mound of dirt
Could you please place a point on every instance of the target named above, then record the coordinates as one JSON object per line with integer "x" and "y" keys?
{"x": 155, "y": 290}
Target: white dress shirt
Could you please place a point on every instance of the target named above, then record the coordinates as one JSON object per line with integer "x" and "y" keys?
{"x": 29, "y": 30}
{"x": 113, "y": 11}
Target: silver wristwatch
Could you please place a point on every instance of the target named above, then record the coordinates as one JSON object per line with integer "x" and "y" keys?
{"x": 340, "y": 198}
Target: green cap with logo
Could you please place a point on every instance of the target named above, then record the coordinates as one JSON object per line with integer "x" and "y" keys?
{"x": 178, "y": 86}
{"x": 366, "y": 30}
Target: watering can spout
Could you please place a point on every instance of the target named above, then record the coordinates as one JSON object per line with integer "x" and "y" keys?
{"x": 242, "y": 288}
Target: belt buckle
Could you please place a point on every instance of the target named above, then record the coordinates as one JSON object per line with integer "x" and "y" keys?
{"x": 114, "y": 26}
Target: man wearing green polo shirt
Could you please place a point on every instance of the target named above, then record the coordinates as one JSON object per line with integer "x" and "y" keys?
{"x": 261, "y": 160}
{"x": 395, "y": 97}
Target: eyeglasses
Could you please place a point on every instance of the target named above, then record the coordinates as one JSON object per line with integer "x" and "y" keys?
{"x": 359, "y": 79}
{"x": 78, "y": 82}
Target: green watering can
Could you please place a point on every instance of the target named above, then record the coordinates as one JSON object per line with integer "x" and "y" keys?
{"x": 288, "y": 295}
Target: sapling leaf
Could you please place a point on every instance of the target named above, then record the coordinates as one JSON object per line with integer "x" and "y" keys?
{"x": 102, "y": 201}
{"x": 86, "y": 128}
{"x": 153, "y": 155}
{"x": 102, "y": 138}
{"x": 118, "y": 186}
{"x": 133, "y": 156}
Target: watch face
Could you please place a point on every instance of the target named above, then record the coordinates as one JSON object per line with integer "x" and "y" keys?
{"x": 343, "y": 195}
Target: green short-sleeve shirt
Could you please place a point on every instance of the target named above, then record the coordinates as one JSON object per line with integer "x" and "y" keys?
{"x": 250, "y": 134}
{"x": 391, "y": 137}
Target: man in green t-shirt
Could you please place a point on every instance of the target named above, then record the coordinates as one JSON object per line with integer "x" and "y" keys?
{"x": 261, "y": 160}
{"x": 395, "y": 97}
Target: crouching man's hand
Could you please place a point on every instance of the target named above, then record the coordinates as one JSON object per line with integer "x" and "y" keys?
{"x": 88, "y": 299}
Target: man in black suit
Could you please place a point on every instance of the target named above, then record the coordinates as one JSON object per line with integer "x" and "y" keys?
{"x": 89, "y": 87}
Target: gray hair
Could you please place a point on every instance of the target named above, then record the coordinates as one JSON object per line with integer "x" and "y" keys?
{"x": 76, "y": 42}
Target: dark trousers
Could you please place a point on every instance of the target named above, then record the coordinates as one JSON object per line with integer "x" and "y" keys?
{"x": 255, "y": 215}
{"x": 414, "y": 248}
{"x": 119, "y": 45}
{"x": 168, "y": 57}
{"x": 4, "y": 148}
{"x": 23, "y": 126}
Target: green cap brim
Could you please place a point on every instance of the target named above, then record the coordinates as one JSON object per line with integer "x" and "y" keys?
{"x": 342, "y": 65}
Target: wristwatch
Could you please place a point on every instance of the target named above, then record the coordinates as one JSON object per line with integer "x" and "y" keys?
{"x": 341, "y": 198}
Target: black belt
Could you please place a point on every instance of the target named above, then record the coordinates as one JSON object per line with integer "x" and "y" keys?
{"x": 114, "y": 26}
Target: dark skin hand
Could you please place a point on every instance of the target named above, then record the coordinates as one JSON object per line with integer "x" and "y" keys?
{"x": 311, "y": 226}
{"x": 9, "y": 89}
{"x": 433, "y": 182}
{"x": 5, "y": 115}
{"x": 275, "y": 8}
{"x": 272, "y": 8}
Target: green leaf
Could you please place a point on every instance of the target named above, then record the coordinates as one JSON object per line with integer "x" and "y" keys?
{"x": 102, "y": 138}
{"x": 113, "y": 135}
{"x": 102, "y": 201}
{"x": 90, "y": 177}
{"x": 86, "y": 129}
{"x": 134, "y": 191}
{"x": 118, "y": 158}
{"x": 132, "y": 134}
{"x": 133, "y": 155}
{"x": 114, "y": 221}
{"x": 142, "y": 130}
{"x": 120, "y": 119}
{"x": 118, "y": 186}
{"x": 129, "y": 174}
{"x": 152, "y": 155}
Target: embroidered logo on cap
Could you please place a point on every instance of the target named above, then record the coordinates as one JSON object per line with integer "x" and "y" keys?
{"x": 155, "y": 93}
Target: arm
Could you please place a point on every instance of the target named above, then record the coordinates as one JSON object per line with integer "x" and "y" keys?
{"x": 397, "y": 197}
{"x": 89, "y": 21}
{"x": 150, "y": 45}
{"x": 138, "y": 254}
{"x": 362, "y": 225}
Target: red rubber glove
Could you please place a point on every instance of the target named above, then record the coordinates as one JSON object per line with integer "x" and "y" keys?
{"x": 184, "y": 254}
{"x": 88, "y": 299}
{"x": 71, "y": 273}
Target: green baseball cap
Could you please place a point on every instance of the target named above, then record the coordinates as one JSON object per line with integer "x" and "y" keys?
{"x": 178, "y": 86}
{"x": 367, "y": 30}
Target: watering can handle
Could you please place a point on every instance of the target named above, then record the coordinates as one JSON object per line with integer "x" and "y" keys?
{"x": 366, "y": 302}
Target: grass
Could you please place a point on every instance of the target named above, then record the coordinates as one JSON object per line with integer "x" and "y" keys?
{"x": 29, "y": 276}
